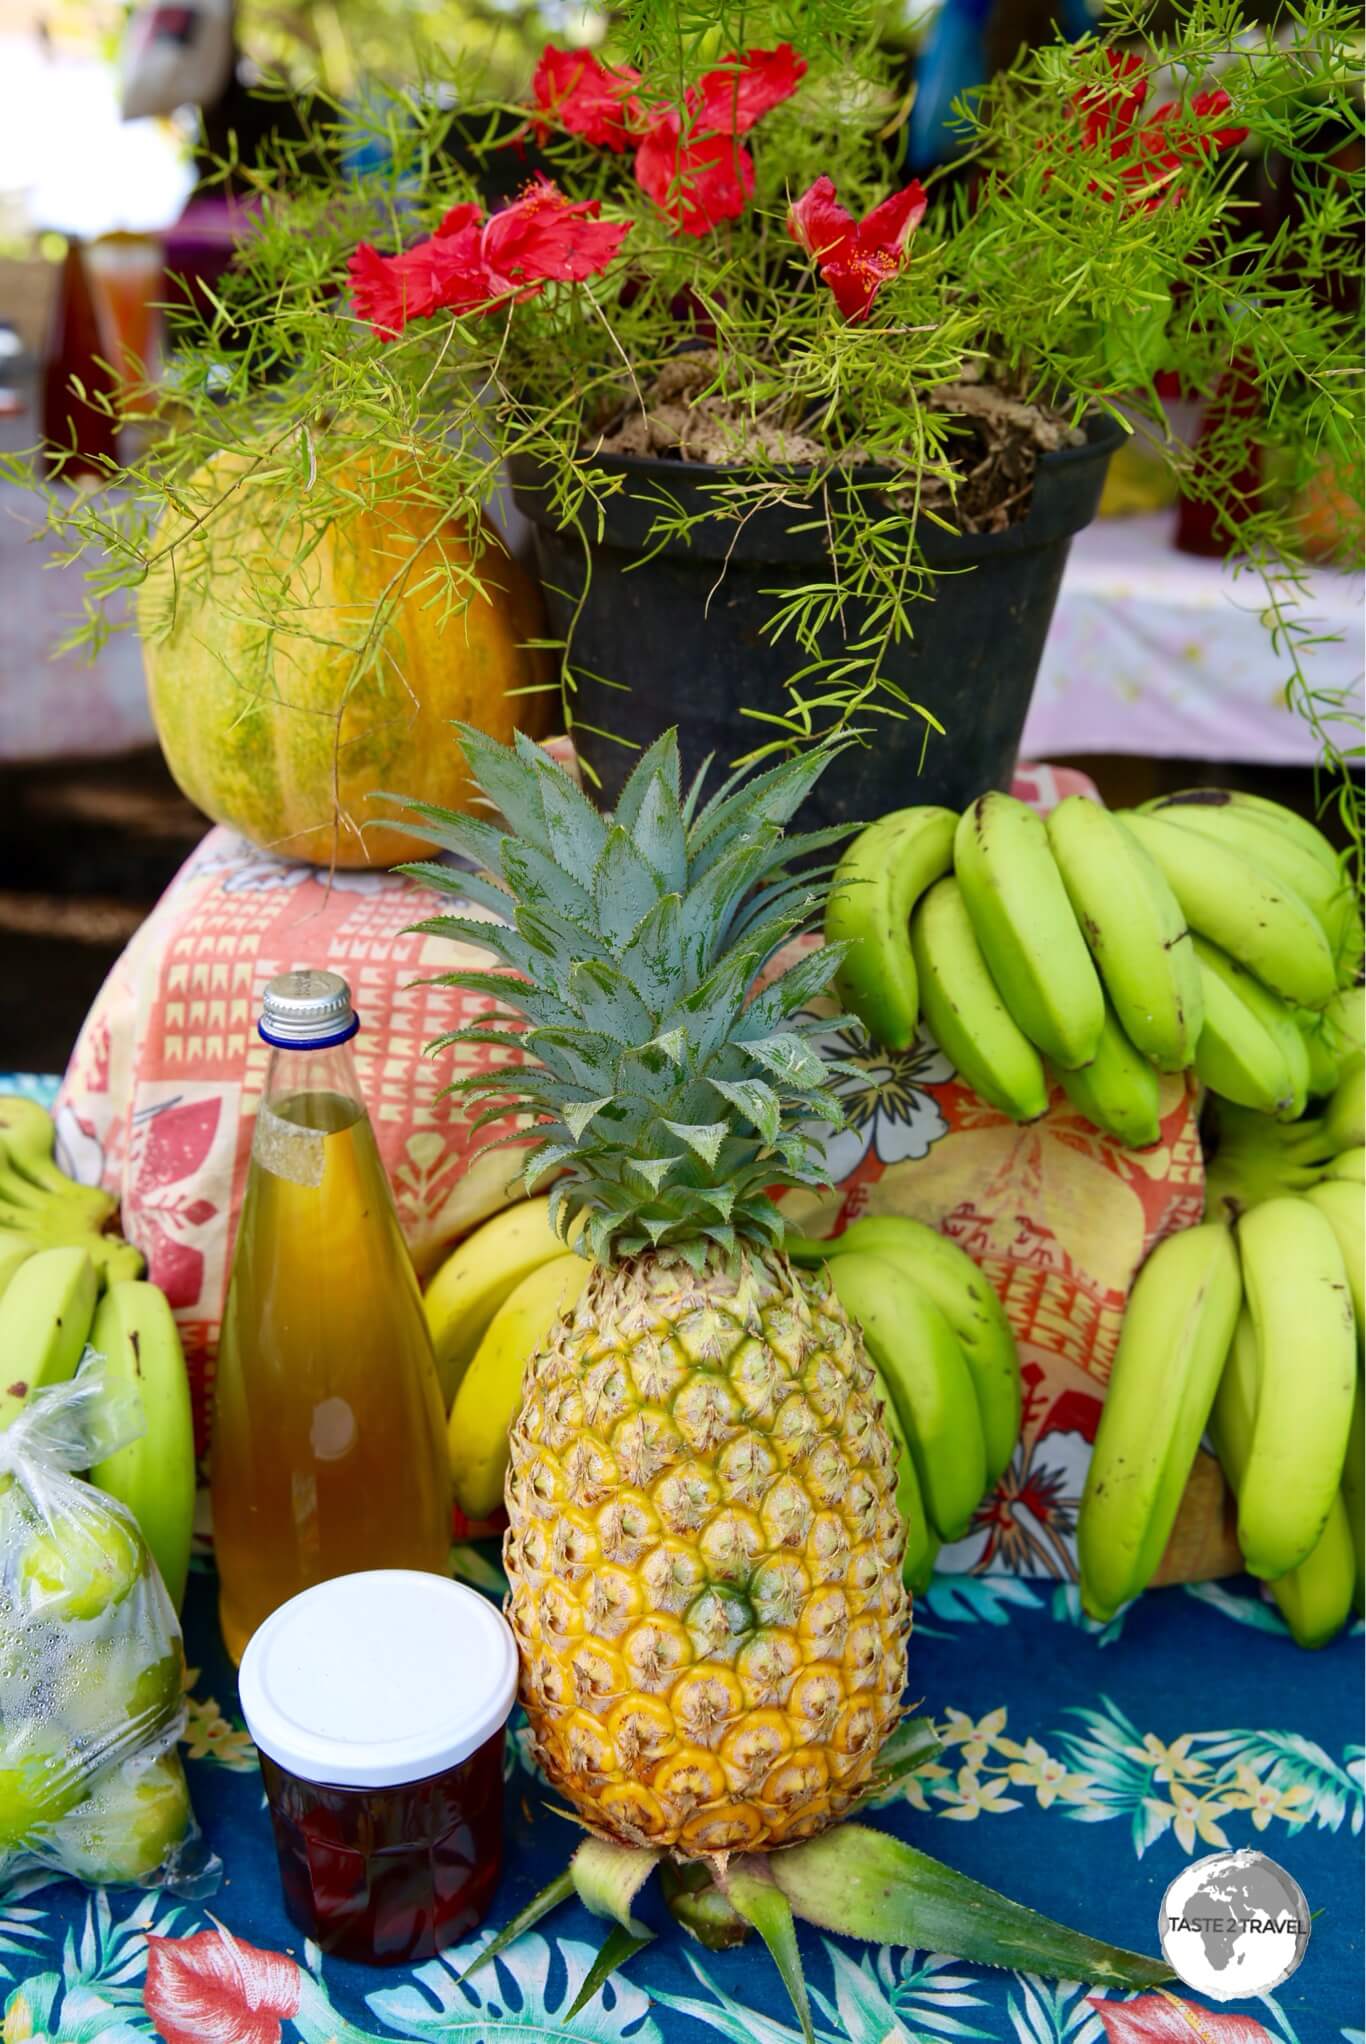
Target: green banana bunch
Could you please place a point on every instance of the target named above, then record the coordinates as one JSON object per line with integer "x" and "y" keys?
{"x": 1340, "y": 1204}
{"x": 1343, "y": 1025}
{"x": 41, "y": 1208}
{"x": 154, "y": 1475}
{"x": 917, "y": 1562}
{"x": 1135, "y": 929}
{"x": 1264, "y": 1058}
{"x": 1315, "y": 1598}
{"x": 1025, "y": 924}
{"x": 1344, "y": 1118}
{"x": 877, "y": 883}
{"x": 1172, "y": 1348}
{"x": 1237, "y": 1056}
{"x": 1118, "y": 1090}
{"x": 967, "y": 1016}
{"x": 966, "y": 1298}
{"x": 46, "y": 1313}
{"x": 921, "y": 1361}
{"x": 1295, "y": 852}
{"x": 1354, "y": 1494}
{"x": 28, "y": 1139}
{"x": 1239, "y": 903}
{"x": 1256, "y": 1159}
{"x": 1300, "y": 1306}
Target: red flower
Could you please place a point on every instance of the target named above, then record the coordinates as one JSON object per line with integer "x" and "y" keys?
{"x": 1109, "y": 114}
{"x": 1162, "y": 2019}
{"x": 543, "y": 235}
{"x": 586, "y": 97}
{"x": 473, "y": 265}
{"x": 692, "y": 164}
{"x": 732, "y": 99}
{"x": 856, "y": 258}
{"x": 213, "y": 1989}
{"x": 1148, "y": 156}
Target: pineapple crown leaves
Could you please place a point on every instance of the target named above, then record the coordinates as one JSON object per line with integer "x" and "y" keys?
{"x": 671, "y": 1100}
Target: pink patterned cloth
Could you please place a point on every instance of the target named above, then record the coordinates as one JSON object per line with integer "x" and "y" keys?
{"x": 160, "y": 1095}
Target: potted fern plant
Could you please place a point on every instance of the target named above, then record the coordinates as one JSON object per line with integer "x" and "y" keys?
{"x": 803, "y": 443}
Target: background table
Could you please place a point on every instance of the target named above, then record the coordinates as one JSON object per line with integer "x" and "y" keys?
{"x": 1159, "y": 655}
{"x": 1151, "y": 653}
{"x": 1083, "y": 1767}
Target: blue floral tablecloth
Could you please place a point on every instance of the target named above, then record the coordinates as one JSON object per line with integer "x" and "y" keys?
{"x": 1083, "y": 1767}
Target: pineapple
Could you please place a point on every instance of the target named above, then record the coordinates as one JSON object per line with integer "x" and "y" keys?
{"x": 703, "y": 1548}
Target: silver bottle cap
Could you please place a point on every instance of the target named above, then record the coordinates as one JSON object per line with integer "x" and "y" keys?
{"x": 308, "y": 1010}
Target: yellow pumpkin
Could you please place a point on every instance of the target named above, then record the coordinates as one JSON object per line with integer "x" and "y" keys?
{"x": 307, "y": 652}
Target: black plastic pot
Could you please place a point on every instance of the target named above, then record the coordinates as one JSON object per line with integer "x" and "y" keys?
{"x": 679, "y": 629}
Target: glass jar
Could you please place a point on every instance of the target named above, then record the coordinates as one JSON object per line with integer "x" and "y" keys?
{"x": 378, "y": 1703}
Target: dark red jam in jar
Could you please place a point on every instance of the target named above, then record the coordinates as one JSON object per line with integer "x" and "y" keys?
{"x": 378, "y": 1703}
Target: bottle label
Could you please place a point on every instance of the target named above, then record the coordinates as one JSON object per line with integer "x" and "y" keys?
{"x": 286, "y": 1150}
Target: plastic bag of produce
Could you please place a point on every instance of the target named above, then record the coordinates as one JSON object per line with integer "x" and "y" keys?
{"x": 91, "y": 1665}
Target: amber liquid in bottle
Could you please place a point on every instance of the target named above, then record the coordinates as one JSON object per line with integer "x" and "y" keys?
{"x": 329, "y": 1447}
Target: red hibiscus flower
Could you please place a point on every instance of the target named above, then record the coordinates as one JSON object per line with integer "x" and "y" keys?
{"x": 213, "y": 1989}
{"x": 1162, "y": 2019}
{"x": 586, "y": 97}
{"x": 692, "y": 164}
{"x": 856, "y": 258}
{"x": 473, "y": 265}
{"x": 1148, "y": 155}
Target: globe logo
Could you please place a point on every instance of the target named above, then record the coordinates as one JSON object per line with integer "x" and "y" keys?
{"x": 1234, "y": 1924}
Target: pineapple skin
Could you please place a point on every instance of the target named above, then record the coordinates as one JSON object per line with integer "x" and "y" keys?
{"x": 704, "y": 1556}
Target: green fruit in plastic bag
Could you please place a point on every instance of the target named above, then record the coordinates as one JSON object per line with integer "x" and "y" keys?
{"x": 134, "y": 1817}
{"x": 78, "y": 1573}
{"x": 119, "y": 1695}
{"x": 40, "y": 1780}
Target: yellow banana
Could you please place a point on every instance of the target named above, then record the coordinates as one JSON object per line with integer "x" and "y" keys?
{"x": 967, "y": 1017}
{"x": 924, "y": 1368}
{"x": 1118, "y": 1090}
{"x": 877, "y": 883}
{"x": 1026, "y": 927}
{"x": 1176, "y": 1333}
{"x": 1301, "y": 1308}
{"x": 966, "y": 1298}
{"x": 1243, "y": 908}
{"x": 1316, "y": 1597}
{"x": 490, "y": 1392}
{"x": 1348, "y": 1166}
{"x": 45, "y": 1316}
{"x": 1134, "y": 927}
{"x": 478, "y": 1275}
{"x": 154, "y": 1476}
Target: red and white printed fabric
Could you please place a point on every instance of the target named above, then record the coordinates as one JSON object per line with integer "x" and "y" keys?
{"x": 159, "y": 1099}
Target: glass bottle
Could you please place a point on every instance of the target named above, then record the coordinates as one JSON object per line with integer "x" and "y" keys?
{"x": 329, "y": 1439}
{"x": 79, "y": 429}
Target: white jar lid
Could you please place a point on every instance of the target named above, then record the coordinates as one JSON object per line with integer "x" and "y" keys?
{"x": 379, "y": 1678}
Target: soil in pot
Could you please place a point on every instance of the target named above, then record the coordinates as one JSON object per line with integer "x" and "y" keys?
{"x": 676, "y": 632}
